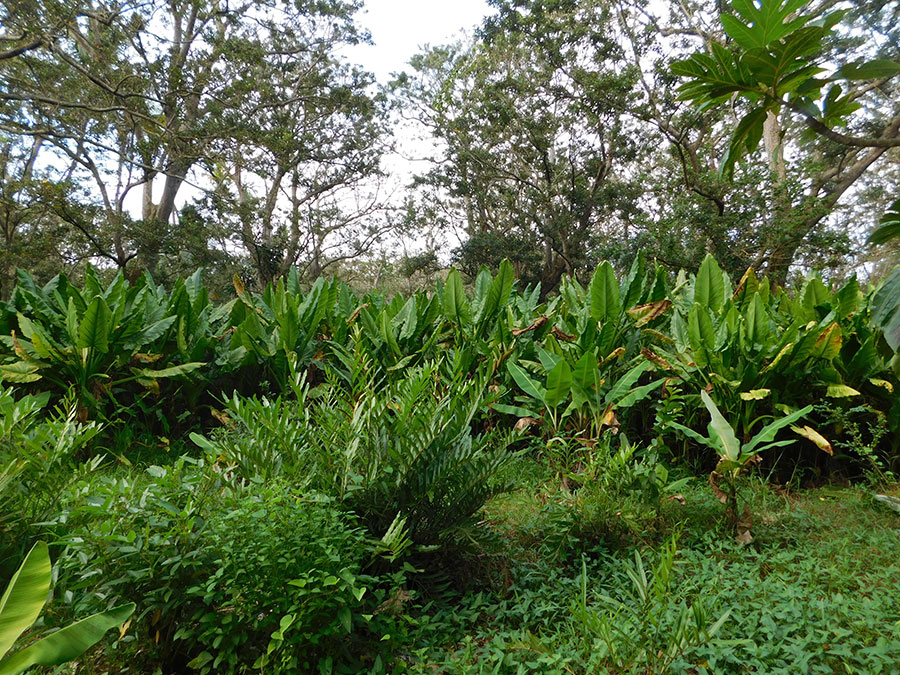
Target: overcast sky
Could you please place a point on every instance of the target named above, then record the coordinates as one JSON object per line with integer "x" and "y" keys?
{"x": 400, "y": 27}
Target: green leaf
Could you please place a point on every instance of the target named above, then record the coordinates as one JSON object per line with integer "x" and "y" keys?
{"x": 869, "y": 70}
{"x": 516, "y": 410}
{"x": 690, "y": 433}
{"x": 525, "y": 383}
{"x": 709, "y": 288}
{"x": 173, "y": 371}
{"x": 25, "y": 595}
{"x": 745, "y": 138}
{"x": 559, "y": 384}
{"x": 68, "y": 643}
{"x": 626, "y": 382}
{"x": 20, "y": 371}
{"x": 720, "y": 429}
{"x": 755, "y": 394}
{"x": 93, "y": 332}
{"x": 841, "y": 391}
{"x": 888, "y": 226}
{"x": 604, "y": 290}
{"x": 768, "y": 432}
{"x": 637, "y": 394}
{"x": 886, "y": 309}
{"x": 456, "y": 304}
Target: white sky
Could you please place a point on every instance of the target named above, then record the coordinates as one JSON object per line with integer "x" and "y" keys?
{"x": 400, "y": 27}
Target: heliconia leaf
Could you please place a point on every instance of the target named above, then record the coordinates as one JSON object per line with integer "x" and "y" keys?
{"x": 638, "y": 394}
{"x": 709, "y": 287}
{"x": 841, "y": 391}
{"x": 559, "y": 384}
{"x": 626, "y": 382}
{"x": 701, "y": 334}
{"x": 456, "y": 304}
{"x": 644, "y": 314}
{"x": 93, "y": 331}
{"x": 583, "y": 373}
{"x": 24, "y": 597}
{"x": 173, "y": 371}
{"x": 525, "y": 383}
{"x": 604, "y": 293}
{"x": 516, "y": 410}
{"x": 767, "y": 434}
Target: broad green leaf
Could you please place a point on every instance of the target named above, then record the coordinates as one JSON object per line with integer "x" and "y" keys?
{"x": 21, "y": 371}
{"x": 690, "y": 433}
{"x": 767, "y": 433}
{"x": 720, "y": 429}
{"x": 604, "y": 290}
{"x": 456, "y": 304}
{"x": 886, "y": 309}
{"x": 559, "y": 384}
{"x": 841, "y": 391}
{"x": 755, "y": 394}
{"x": 888, "y": 226}
{"x": 626, "y": 382}
{"x": 68, "y": 643}
{"x": 637, "y": 394}
{"x": 869, "y": 70}
{"x": 93, "y": 331}
{"x": 709, "y": 288}
{"x": 525, "y": 383}
{"x": 583, "y": 373}
{"x": 24, "y": 597}
{"x": 516, "y": 410}
{"x": 701, "y": 334}
{"x": 812, "y": 435}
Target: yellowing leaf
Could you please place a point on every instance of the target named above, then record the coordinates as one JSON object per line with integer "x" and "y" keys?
{"x": 884, "y": 384}
{"x": 812, "y": 435}
{"x": 841, "y": 391}
{"x": 755, "y": 394}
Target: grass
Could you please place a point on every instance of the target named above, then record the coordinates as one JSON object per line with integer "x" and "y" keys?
{"x": 815, "y": 592}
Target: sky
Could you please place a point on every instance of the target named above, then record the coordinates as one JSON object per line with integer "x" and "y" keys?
{"x": 400, "y": 27}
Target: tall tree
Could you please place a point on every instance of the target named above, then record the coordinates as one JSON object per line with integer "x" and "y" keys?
{"x": 531, "y": 118}
{"x": 134, "y": 102}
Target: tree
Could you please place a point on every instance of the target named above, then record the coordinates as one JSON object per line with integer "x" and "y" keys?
{"x": 773, "y": 66}
{"x": 135, "y": 102}
{"x": 531, "y": 118}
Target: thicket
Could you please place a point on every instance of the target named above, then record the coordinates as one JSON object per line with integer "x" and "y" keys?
{"x": 342, "y": 446}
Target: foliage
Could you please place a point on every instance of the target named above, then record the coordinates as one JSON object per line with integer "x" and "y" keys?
{"x": 776, "y": 66}
{"x": 38, "y": 459}
{"x": 19, "y": 608}
{"x": 284, "y": 588}
{"x": 735, "y": 456}
{"x": 644, "y": 628}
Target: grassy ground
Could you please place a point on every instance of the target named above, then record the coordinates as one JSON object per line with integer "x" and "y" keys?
{"x": 557, "y": 587}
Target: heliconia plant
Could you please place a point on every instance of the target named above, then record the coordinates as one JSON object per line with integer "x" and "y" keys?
{"x": 588, "y": 360}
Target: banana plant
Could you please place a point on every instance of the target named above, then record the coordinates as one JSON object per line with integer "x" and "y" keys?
{"x": 19, "y": 609}
{"x": 734, "y": 456}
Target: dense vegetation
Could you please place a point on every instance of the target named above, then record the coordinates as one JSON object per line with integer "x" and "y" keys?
{"x": 644, "y": 418}
{"x": 342, "y": 449}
